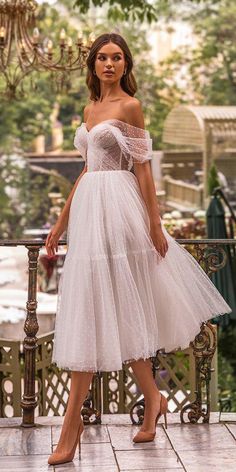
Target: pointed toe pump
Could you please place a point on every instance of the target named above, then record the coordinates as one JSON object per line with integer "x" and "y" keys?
{"x": 61, "y": 458}
{"x": 145, "y": 436}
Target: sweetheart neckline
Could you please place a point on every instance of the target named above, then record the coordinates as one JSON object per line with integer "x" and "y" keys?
{"x": 111, "y": 119}
{"x": 101, "y": 122}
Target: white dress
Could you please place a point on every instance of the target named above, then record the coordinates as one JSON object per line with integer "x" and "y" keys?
{"x": 118, "y": 299}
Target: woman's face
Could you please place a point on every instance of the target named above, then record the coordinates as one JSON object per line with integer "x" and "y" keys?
{"x": 110, "y": 63}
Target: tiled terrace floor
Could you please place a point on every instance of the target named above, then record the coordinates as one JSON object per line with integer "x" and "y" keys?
{"x": 109, "y": 447}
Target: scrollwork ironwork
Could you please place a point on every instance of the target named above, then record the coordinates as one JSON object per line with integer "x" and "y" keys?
{"x": 211, "y": 257}
{"x": 204, "y": 346}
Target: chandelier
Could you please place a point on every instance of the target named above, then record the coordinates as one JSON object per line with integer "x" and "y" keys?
{"x": 22, "y": 53}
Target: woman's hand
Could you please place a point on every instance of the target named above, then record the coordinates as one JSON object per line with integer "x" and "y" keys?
{"x": 159, "y": 239}
{"x": 51, "y": 243}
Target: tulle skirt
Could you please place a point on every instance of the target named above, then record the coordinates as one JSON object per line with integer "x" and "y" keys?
{"x": 118, "y": 299}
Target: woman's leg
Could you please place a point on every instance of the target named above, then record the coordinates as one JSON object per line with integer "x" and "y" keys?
{"x": 143, "y": 372}
{"x": 80, "y": 382}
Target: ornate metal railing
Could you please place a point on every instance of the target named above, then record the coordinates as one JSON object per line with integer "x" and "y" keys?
{"x": 34, "y": 359}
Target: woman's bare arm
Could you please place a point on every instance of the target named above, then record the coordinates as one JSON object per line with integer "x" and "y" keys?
{"x": 62, "y": 221}
{"x": 143, "y": 172}
{"x": 53, "y": 237}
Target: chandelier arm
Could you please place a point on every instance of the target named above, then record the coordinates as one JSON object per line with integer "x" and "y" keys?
{"x": 5, "y": 74}
{"x": 13, "y": 77}
{"x": 74, "y": 69}
{"x": 9, "y": 43}
{"x": 31, "y": 48}
{"x": 21, "y": 53}
{"x": 2, "y": 68}
{"x": 42, "y": 60}
{"x": 56, "y": 65}
{"x": 22, "y": 25}
{"x": 62, "y": 68}
{"x": 11, "y": 80}
{"x": 38, "y": 58}
{"x": 76, "y": 64}
{"x": 46, "y": 63}
{"x": 18, "y": 37}
{"x": 20, "y": 77}
{"x": 5, "y": 56}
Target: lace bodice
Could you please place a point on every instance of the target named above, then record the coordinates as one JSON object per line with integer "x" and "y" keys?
{"x": 113, "y": 145}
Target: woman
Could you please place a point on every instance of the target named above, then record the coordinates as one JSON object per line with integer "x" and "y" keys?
{"x": 127, "y": 288}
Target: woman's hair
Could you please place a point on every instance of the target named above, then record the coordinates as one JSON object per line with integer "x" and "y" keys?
{"x": 127, "y": 82}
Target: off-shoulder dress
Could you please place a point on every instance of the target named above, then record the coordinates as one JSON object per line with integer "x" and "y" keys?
{"x": 118, "y": 299}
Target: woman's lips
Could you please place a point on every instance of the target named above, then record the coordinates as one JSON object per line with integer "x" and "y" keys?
{"x": 108, "y": 73}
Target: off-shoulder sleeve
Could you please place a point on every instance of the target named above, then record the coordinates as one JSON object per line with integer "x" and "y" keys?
{"x": 80, "y": 143}
{"x": 135, "y": 143}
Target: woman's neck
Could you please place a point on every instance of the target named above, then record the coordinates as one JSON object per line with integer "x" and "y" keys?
{"x": 109, "y": 94}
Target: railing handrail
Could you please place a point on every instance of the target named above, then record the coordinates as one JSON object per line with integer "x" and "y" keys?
{"x": 219, "y": 191}
{"x": 41, "y": 243}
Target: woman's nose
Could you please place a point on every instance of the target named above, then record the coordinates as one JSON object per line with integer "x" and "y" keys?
{"x": 109, "y": 62}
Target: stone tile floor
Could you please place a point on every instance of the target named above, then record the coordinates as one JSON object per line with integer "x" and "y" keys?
{"x": 109, "y": 447}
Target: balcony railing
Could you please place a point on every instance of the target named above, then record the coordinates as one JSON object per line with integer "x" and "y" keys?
{"x": 46, "y": 388}
{"x": 180, "y": 192}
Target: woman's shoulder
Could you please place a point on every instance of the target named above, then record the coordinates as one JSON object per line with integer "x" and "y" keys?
{"x": 131, "y": 104}
{"x": 133, "y": 112}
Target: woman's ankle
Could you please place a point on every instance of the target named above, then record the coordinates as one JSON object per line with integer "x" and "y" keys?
{"x": 153, "y": 399}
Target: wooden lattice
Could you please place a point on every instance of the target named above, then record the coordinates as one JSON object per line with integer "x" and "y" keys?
{"x": 119, "y": 391}
{"x": 53, "y": 384}
{"x": 10, "y": 378}
{"x": 175, "y": 376}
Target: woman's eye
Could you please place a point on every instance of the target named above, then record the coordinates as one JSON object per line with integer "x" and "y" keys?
{"x": 103, "y": 57}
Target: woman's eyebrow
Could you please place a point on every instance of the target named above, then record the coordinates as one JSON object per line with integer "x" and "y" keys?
{"x": 104, "y": 54}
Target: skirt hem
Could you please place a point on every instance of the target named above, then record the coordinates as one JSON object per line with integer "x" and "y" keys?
{"x": 144, "y": 356}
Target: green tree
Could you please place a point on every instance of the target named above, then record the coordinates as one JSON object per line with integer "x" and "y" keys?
{"x": 22, "y": 202}
{"x": 124, "y": 9}
{"x": 211, "y": 66}
{"x": 214, "y": 62}
{"x": 213, "y": 180}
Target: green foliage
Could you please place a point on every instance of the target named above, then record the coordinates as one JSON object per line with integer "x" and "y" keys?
{"x": 28, "y": 204}
{"x": 227, "y": 344}
{"x": 227, "y": 363}
{"x": 216, "y": 32}
{"x": 210, "y": 73}
{"x": 23, "y": 121}
{"x": 213, "y": 180}
{"x": 226, "y": 383}
{"x": 120, "y": 10}
{"x": 38, "y": 202}
{"x": 10, "y": 180}
{"x": 59, "y": 183}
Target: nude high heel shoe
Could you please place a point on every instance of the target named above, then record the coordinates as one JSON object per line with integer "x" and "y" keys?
{"x": 145, "y": 436}
{"x": 60, "y": 458}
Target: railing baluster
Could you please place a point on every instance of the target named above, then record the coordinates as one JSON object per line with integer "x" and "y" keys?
{"x": 31, "y": 327}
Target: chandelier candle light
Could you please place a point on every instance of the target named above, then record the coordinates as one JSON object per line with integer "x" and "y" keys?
{"x": 22, "y": 53}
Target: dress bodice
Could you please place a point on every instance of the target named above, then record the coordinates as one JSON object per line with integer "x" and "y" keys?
{"x": 113, "y": 145}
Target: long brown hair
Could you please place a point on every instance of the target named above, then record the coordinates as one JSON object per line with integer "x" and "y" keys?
{"x": 127, "y": 82}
